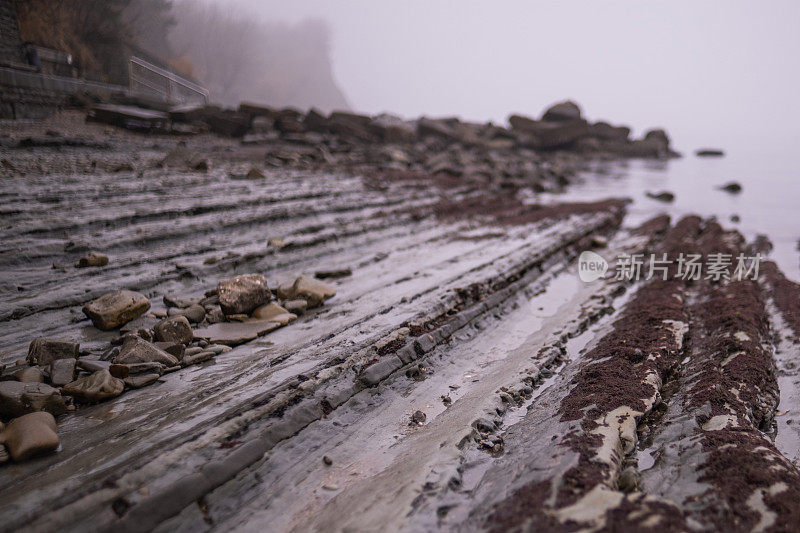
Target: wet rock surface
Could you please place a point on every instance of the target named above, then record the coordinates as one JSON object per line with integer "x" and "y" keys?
{"x": 449, "y": 372}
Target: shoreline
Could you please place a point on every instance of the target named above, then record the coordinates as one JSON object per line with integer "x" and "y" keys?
{"x": 438, "y": 378}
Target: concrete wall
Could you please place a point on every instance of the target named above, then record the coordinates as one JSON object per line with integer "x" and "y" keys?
{"x": 25, "y": 94}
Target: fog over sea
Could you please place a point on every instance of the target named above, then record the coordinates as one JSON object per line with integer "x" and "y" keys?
{"x": 713, "y": 74}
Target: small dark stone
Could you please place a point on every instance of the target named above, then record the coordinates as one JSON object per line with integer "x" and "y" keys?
{"x": 418, "y": 418}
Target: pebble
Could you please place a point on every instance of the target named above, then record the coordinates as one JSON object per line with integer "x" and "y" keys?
{"x": 44, "y": 351}
{"x": 92, "y": 260}
{"x": 173, "y": 348}
{"x": 17, "y": 399}
{"x": 274, "y": 313}
{"x": 327, "y": 460}
{"x": 141, "y": 380}
{"x": 336, "y": 273}
{"x": 32, "y": 374}
{"x": 198, "y": 358}
{"x": 628, "y": 480}
{"x": 136, "y": 350}
{"x": 30, "y": 435}
{"x": 62, "y": 371}
{"x": 311, "y": 290}
{"x": 218, "y": 348}
{"x": 330, "y": 486}
{"x": 116, "y": 308}
{"x": 174, "y": 329}
{"x": 119, "y": 371}
{"x": 242, "y": 294}
{"x": 194, "y": 313}
{"x": 254, "y": 173}
{"x": 93, "y": 365}
{"x": 298, "y": 307}
{"x": 95, "y": 388}
{"x": 418, "y": 418}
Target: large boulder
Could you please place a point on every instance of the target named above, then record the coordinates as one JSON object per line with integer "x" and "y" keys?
{"x": 289, "y": 120}
{"x": 606, "y": 132}
{"x": 137, "y": 350}
{"x": 174, "y": 329}
{"x": 562, "y": 112}
{"x": 351, "y": 125}
{"x": 43, "y": 351}
{"x": 523, "y": 123}
{"x": 316, "y": 121}
{"x": 95, "y": 388}
{"x": 242, "y": 294}
{"x": 548, "y": 135}
{"x": 30, "y": 435}
{"x": 228, "y": 123}
{"x": 438, "y": 128}
{"x": 116, "y": 308}
{"x": 256, "y": 110}
{"x": 17, "y": 399}
{"x": 392, "y": 129}
{"x": 658, "y": 136}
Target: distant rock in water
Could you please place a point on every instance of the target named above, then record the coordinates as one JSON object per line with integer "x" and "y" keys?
{"x": 662, "y": 196}
{"x": 731, "y": 187}
{"x": 562, "y": 112}
{"x": 709, "y": 152}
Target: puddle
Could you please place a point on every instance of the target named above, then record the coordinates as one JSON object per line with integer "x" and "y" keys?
{"x": 787, "y": 419}
{"x": 645, "y": 459}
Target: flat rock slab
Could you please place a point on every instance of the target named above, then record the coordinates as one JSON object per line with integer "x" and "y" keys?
{"x": 127, "y": 116}
{"x": 233, "y": 333}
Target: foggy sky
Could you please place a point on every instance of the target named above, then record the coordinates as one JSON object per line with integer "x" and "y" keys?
{"x": 712, "y": 73}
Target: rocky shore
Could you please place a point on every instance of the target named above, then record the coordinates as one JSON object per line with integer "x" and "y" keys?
{"x": 217, "y": 319}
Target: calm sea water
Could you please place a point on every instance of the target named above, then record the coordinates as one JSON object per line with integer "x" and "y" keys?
{"x": 769, "y": 202}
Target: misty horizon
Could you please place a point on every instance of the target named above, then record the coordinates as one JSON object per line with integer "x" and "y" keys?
{"x": 715, "y": 78}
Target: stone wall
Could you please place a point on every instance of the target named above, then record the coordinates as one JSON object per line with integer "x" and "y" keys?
{"x": 25, "y": 94}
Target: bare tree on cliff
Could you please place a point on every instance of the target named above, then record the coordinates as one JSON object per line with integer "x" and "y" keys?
{"x": 95, "y": 32}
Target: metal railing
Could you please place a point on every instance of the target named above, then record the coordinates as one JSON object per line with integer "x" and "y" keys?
{"x": 151, "y": 79}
